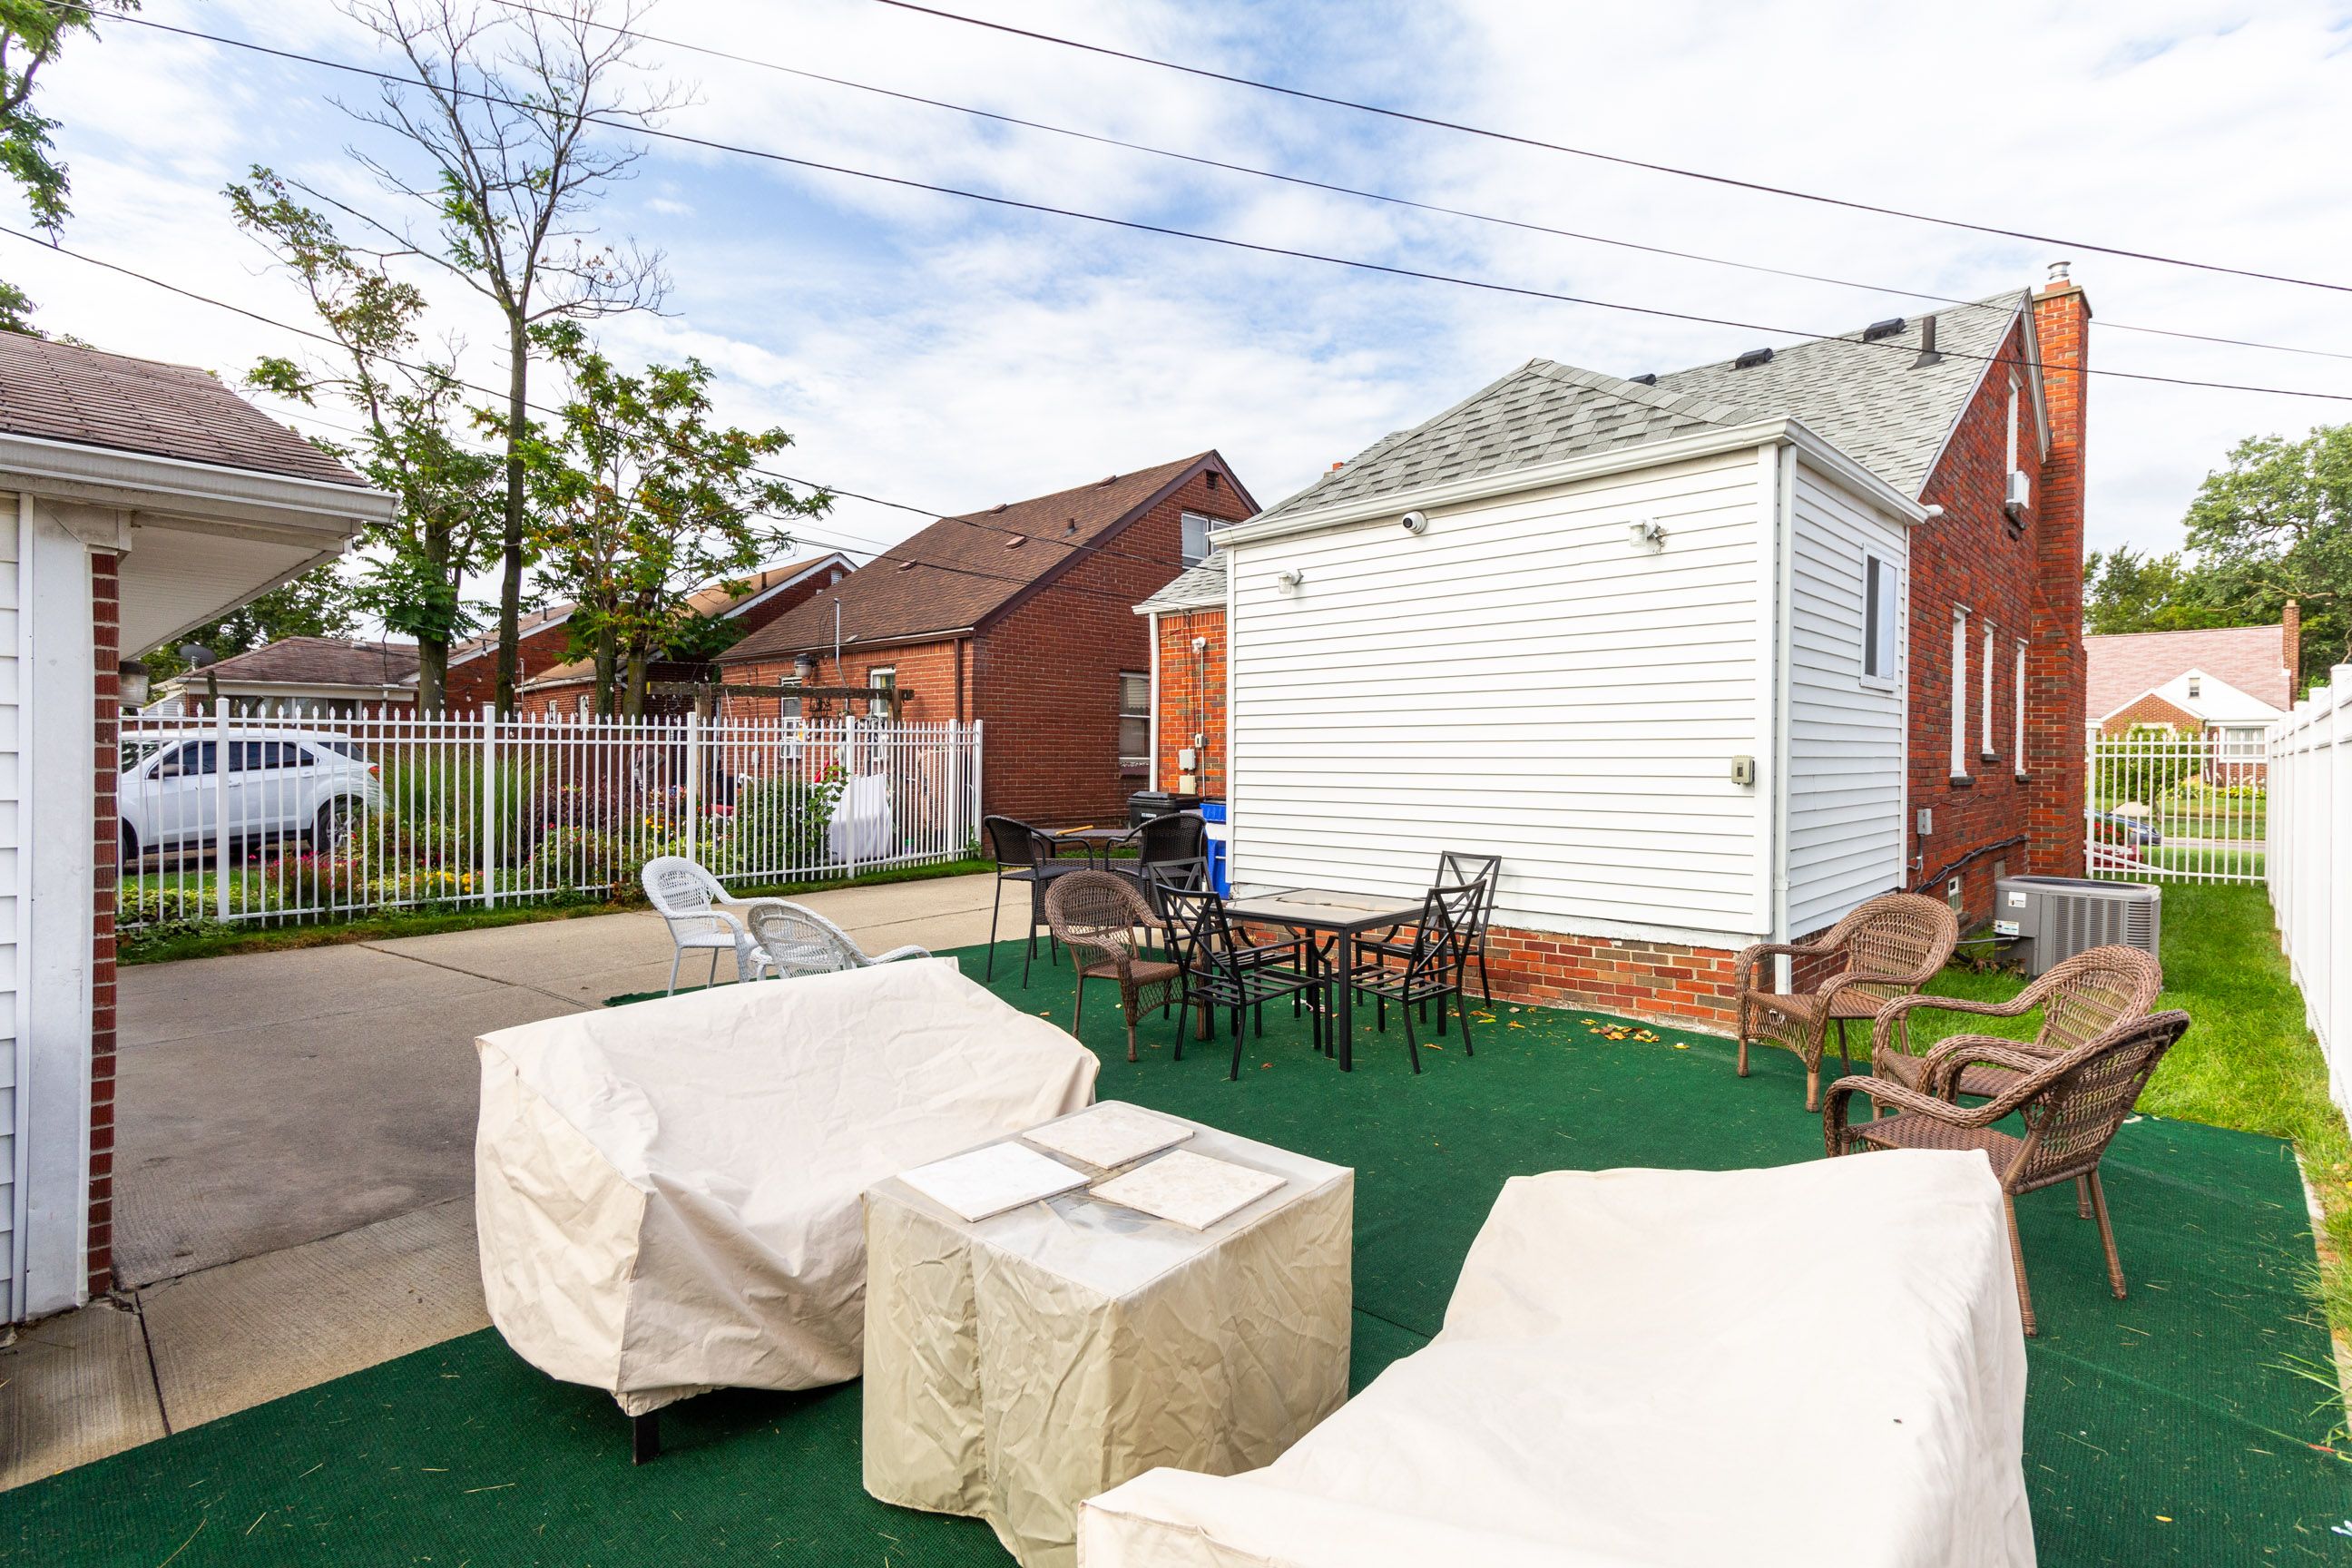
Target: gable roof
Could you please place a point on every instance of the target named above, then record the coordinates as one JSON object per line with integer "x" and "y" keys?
{"x": 2121, "y": 666}
{"x": 88, "y": 397}
{"x": 953, "y": 575}
{"x": 719, "y": 600}
{"x": 529, "y": 621}
{"x": 1872, "y": 401}
{"x": 1197, "y": 587}
{"x": 316, "y": 661}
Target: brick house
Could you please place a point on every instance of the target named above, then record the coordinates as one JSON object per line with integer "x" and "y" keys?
{"x": 2231, "y": 681}
{"x": 1708, "y": 656}
{"x": 1019, "y": 617}
{"x": 144, "y": 500}
{"x": 542, "y": 641}
{"x": 568, "y": 689}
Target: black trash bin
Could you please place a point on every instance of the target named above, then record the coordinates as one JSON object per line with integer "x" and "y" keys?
{"x": 1145, "y": 804}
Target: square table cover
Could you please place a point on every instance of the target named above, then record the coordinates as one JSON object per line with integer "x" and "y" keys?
{"x": 1665, "y": 1368}
{"x": 1018, "y": 1365}
{"x": 667, "y": 1192}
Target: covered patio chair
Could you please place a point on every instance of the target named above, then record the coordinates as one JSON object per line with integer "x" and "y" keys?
{"x": 1888, "y": 948}
{"x": 2071, "y": 1105}
{"x": 793, "y": 939}
{"x": 1101, "y": 916}
{"x": 700, "y": 916}
{"x": 2081, "y": 999}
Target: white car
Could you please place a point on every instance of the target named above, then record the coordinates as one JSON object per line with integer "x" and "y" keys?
{"x": 281, "y": 784}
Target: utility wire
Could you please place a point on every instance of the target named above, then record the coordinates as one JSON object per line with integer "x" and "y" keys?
{"x": 1205, "y": 73}
{"x": 1169, "y": 231}
{"x": 1311, "y": 183}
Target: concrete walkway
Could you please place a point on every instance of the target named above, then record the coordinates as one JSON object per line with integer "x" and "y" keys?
{"x": 294, "y": 1130}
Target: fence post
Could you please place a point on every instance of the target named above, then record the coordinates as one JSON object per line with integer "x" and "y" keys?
{"x": 490, "y": 805}
{"x": 694, "y": 784}
{"x": 972, "y": 809}
{"x": 220, "y": 809}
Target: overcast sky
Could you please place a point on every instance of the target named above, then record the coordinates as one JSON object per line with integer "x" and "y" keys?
{"x": 952, "y": 354}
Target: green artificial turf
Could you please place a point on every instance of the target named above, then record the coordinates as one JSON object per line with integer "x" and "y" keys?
{"x": 2172, "y": 1428}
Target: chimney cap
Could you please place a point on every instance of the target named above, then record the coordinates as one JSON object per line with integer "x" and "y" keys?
{"x": 2061, "y": 271}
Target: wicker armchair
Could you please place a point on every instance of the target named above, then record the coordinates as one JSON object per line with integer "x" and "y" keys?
{"x": 1098, "y": 915}
{"x": 700, "y": 916}
{"x": 793, "y": 939}
{"x": 1891, "y": 946}
{"x": 2081, "y": 999}
{"x": 2071, "y": 1105}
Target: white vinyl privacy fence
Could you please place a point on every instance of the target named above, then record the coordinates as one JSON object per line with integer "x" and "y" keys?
{"x": 2311, "y": 880}
{"x": 2175, "y": 808}
{"x": 277, "y": 819}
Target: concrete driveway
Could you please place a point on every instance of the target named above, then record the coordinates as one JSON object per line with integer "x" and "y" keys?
{"x": 294, "y": 1159}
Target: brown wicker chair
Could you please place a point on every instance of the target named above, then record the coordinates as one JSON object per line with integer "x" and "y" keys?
{"x": 2082, "y": 998}
{"x": 1891, "y": 946}
{"x": 2070, "y": 1104}
{"x": 1100, "y": 914}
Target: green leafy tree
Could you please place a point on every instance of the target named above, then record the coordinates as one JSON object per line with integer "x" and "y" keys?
{"x": 32, "y": 34}
{"x": 510, "y": 111}
{"x": 415, "y": 441}
{"x": 2123, "y": 591}
{"x": 317, "y": 603}
{"x": 643, "y": 498}
{"x": 2276, "y": 525}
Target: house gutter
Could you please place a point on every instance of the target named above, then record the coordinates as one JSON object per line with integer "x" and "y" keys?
{"x": 205, "y": 495}
{"x": 1783, "y": 432}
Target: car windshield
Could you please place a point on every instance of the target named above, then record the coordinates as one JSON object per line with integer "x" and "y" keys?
{"x": 341, "y": 748}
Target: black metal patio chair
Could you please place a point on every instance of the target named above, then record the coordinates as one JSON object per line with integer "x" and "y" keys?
{"x": 1024, "y": 854}
{"x": 1220, "y": 969}
{"x": 1432, "y": 965}
{"x": 1454, "y": 868}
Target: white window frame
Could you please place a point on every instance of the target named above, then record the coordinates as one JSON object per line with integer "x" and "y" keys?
{"x": 1985, "y": 718}
{"x": 1882, "y": 638}
{"x": 1129, "y": 765}
{"x": 1208, "y": 526}
{"x": 2019, "y": 698}
{"x": 2016, "y": 397}
{"x": 881, "y": 677}
{"x": 1959, "y": 692}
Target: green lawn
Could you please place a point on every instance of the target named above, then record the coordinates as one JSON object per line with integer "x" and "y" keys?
{"x": 2247, "y": 1061}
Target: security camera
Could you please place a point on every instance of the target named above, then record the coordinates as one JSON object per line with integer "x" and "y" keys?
{"x": 1415, "y": 522}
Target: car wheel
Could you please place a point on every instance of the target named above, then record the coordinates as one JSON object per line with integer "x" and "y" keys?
{"x": 129, "y": 849}
{"x": 333, "y": 827}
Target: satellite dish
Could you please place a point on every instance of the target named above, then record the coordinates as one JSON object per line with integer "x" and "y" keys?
{"x": 196, "y": 654}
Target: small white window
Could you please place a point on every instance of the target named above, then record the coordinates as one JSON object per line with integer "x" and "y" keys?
{"x": 1959, "y": 692}
{"x": 2016, "y": 395}
{"x": 883, "y": 680}
{"x": 2194, "y": 685}
{"x": 1134, "y": 723}
{"x": 1878, "y": 618}
{"x": 2018, "y": 699}
{"x": 1196, "y": 537}
{"x": 1985, "y": 701}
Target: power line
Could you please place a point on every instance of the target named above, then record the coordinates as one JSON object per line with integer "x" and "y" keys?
{"x": 1169, "y": 231}
{"x": 1468, "y": 129}
{"x": 1309, "y": 183}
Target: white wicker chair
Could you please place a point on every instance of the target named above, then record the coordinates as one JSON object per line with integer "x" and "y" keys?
{"x": 792, "y": 939}
{"x": 690, "y": 900}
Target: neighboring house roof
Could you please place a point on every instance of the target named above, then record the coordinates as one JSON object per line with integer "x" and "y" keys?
{"x": 1201, "y": 588}
{"x": 721, "y": 600}
{"x": 2210, "y": 698}
{"x": 87, "y": 397}
{"x": 2126, "y": 666}
{"x": 1872, "y": 401}
{"x": 529, "y": 621}
{"x": 952, "y": 575}
{"x": 313, "y": 661}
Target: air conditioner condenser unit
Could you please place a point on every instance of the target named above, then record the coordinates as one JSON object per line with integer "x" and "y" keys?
{"x": 2055, "y": 917}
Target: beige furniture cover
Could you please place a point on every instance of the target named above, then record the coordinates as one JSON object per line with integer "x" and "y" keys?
{"x": 667, "y": 1192}
{"x": 1665, "y": 1368}
{"x": 1018, "y": 1365}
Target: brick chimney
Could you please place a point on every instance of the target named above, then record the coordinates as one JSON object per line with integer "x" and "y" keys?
{"x": 2291, "y": 649}
{"x": 2055, "y": 700}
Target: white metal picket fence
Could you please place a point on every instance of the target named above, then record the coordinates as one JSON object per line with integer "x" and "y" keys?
{"x": 2311, "y": 878}
{"x": 281, "y": 819}
{"x": 2175, "y": 808}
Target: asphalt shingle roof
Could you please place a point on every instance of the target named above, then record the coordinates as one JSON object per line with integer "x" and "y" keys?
{"x": 1194, "y": 588}
{"x": 67, "y": 392}
{"x": 319, "y": 661}
{"x": 2121, "y": 666}
{"x": 1872, "y": 401}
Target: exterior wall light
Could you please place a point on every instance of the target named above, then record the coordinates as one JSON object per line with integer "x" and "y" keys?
{"x": 1647, "y": 534}
{"x": 1290, "y": 581}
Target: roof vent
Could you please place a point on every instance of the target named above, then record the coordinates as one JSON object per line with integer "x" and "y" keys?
{"x": 1928, "y": 354}
{"x": 1112, "y": 481}
{"x": 1000, "y": 506}
{"x": 1752, "y": 358}
{"x": 1888, "y": 327}
{"x": 1073, "y": 526}
{"x": 907, "y": 565}
{"x": 1016, "y": 542}
{"x": 1647, "y": 378}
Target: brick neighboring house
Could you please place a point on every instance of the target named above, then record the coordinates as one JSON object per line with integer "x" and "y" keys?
{"x": 1019, "y": 617}
{"x": 568, "y": 689}
{"x": 2231, "y": 681}
{"x": 542, "y": 641}
{"x": 142, "y": 501}
{"x": 300, "y": 677}
{"x": 1853, "y": 576}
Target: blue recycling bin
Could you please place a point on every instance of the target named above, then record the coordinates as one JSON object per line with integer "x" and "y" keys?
{"x": 1212, "y": 812}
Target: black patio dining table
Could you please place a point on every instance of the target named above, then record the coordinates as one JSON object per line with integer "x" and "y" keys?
{"x": 1342, "y": 916}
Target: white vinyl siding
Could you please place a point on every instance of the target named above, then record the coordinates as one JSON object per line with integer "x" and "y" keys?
{"x": 1521, "y": 680}
{"x": 12, "y": 898}
{"x": 1845, "y": 733}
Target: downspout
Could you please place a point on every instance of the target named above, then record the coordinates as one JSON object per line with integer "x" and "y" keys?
{"x": 20, "y": 1139}
{"x": 1152, "y": 622}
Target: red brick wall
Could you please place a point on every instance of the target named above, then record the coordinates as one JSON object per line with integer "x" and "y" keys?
{"x": 1193, "y": 699}
{"x": 2151, "y": 709}
{"x": 791, "y": 598}
{"x": 476, "y": 681}
{"x": 2003, "y": 812}
{"x": 1662, "y": 982}
{"x": 106, "y": 837}
{"x": 926, "y": 670}
{"x": 2057, "y": 666}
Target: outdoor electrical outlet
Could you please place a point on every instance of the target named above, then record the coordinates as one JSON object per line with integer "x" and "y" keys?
{"x": 1185, "y": 759}
{"x": 1743, "y": 770}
